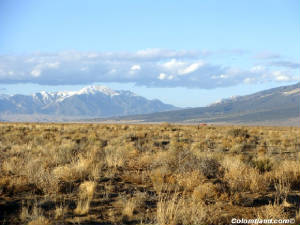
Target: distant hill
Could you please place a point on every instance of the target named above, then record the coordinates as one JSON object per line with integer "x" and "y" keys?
{"x": 277, "y": 106}
{"x": 92, "y": 101}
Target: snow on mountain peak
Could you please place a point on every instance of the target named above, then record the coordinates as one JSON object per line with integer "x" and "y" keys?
{"x": 43, "y": 97}
{"x": 98, "y": 88}
{"x": 60, "y": 96}
{"x": 45, "y": 94}
{"x": 90, "y": 90}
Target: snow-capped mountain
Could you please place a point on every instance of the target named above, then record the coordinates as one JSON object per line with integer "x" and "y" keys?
{"x": 60, "y": 96}
{"x": 91, "y": 101}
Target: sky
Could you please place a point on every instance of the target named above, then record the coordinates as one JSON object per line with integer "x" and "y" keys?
{"x": 186, "y": 53}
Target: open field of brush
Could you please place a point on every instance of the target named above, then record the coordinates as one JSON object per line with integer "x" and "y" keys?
{"x": 147, "y": 174}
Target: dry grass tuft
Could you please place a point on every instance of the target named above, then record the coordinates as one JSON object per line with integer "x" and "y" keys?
{"x": 86, "y": 192}
{"x": 272, "y": 211}
{"x": 41, "y": 220}
{"x": 167, "y": 210}
{"x": 204, "y": 192}
{"x": 129, "y": 207}
{"x": 242, "y": 177}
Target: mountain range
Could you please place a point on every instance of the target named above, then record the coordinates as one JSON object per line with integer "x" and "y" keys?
{"x": 91, "y": 101}
{"x": 277, "y": 106}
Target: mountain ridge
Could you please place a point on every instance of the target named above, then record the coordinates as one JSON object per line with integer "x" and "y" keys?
{"x": 89, "y": 101}
{"x": 271, "y": 106}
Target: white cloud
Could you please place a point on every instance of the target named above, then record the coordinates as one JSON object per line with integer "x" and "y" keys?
{"x": 92, "y": 55}
{"x": 135, "y": 67}
{"x": 113, "y": 71}
{"x": 150, "y": 67}
{"x": 38, "y": 69}
{"x": 191, "y": 68}
{"x": 162, "y": 76}
{"x": 257, "y": 69}
{"x": 164, "y": 53}
{"x": 280, "y": 76}
{"x": 181, "y": 67}
{"x": 266, "y": 55}
{"x": 52, "y": 65}
{"x": 283, "y": 78}
{"x": 84, "y": 68}
{"x": 248, "y": 80}
{"x": 149, "y": 52}
{"x": 173, "y": 65}
{"x": 36, "y": 72}
{"x": 170, "y": 77}
{"x": 223, "y": 76}
{"x": 285, "y": 64}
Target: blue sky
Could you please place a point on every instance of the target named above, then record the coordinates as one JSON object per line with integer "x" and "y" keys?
{"x": 187, "y": 53}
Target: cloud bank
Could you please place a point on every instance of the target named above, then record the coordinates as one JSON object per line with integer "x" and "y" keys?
{"x": 286, "y": 64}
{"x": 150, "y": 68}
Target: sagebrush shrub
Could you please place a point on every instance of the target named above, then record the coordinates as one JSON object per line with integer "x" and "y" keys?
{"x": 210, "y": 167}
